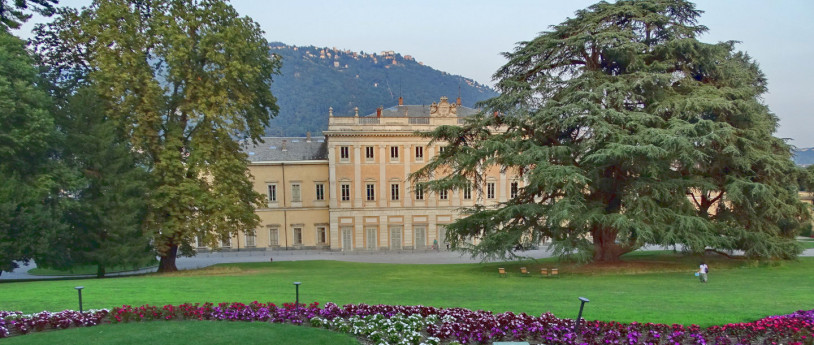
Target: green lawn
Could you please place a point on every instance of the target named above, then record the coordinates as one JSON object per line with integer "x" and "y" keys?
{"x": 187, "y": 332}
{"x": 738, "y": 290}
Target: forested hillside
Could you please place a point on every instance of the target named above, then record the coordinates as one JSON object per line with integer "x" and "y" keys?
{"x": 314, "y": 79}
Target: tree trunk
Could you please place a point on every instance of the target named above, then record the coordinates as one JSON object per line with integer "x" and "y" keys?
{"x": 100, "y": 271}
{"x": 605, "y": 247}
{"x": 167, "y": 263}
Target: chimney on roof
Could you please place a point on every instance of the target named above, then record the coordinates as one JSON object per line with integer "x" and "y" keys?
{"x": 401, "y": 100}
{"x": 379, "y": 111}
{"x": 283, "y": 147}
{"x": 458, "y": 101}
{"x": 307, "y": 137}
{"x": 495, "y": 114}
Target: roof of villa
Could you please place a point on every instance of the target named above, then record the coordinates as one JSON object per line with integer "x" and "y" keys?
{"x": 277, "y": 149}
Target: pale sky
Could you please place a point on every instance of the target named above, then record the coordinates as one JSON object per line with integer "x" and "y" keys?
{"x": 467, "y": 37}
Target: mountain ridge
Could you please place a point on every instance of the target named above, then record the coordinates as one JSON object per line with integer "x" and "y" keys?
{"x": 316, "y": 79}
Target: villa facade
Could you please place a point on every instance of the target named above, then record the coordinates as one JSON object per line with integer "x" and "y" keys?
{"x": 350, "y": 190}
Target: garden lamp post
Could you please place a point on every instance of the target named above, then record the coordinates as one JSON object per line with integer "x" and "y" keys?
{"x": 583, "y": 300}
{"x": 297, "y": 300}
{"x": 79, "y": 290}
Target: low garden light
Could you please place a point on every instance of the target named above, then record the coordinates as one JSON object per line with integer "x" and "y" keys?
{"x": 79, "y": 290}
{"x": 583, "y": 300}
{"x": 297, "y": 300}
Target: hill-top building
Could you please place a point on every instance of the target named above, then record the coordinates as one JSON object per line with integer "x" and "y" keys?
{"x": 350, "y": 190}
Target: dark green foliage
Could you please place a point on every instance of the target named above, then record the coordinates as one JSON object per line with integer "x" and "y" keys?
{"x": 108, "y": 191}
{"x": 805, "y": 230}
{"x": 12, "y": 12}
{"x": 628, "y": 131}
{"x": 28, "y": 186}
{"x": 309, "y": 84}
{"x": 805, "y": 178}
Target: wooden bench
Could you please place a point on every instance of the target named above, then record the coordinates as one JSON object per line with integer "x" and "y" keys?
{"x": 502, "y": 272}
{"x": 524, "y": 272}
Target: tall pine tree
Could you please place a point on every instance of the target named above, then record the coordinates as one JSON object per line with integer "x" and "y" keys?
{"x": 106, "y": 211}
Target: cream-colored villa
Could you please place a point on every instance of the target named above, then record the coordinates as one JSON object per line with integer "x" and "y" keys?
{"x": 350, "y": 191}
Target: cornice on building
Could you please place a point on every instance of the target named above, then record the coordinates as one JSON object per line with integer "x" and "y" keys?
{"x": 308, "y": 162}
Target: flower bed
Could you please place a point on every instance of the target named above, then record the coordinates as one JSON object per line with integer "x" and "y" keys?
{"x": 12, "y": 323}
{"x": 386, "y": 324}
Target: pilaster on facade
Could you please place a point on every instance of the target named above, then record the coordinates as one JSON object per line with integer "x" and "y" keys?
{"x": 332, "y": 185}
{"x": 382, "y": 175}
{"x": 357, "y": 177}
{"x": 504, "y": 191}
{"x": 408, "y": 154}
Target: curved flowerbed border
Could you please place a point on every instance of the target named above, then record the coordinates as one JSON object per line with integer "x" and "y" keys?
{"x": 387, "y": 324}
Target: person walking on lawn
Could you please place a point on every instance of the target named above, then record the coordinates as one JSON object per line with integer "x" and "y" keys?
{"x": 703, "y": 269}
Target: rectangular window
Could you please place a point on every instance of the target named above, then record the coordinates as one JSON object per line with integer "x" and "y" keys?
{"x": 344, "y": 153}
{"x": 345, "y": 192}
{"x": 490, "y": 190}
{"x": 297, "y": 236}
{"x": 468, "y": 192}
{"x": 199, "y": 240}
{"x": 371, "y": 191}
{"x": 320, "y": 190}
{"x": 394, "y": 152}
{"x": 295, "y": 193}
{"x": 272, "y": 193}
{"x": 273, "y": 232}
{"x": 442, "y": 149}
{"x": 443, "y": 195}
{"x": 419, "y": 153}
{"x": 394, "y": 191}
{"x": 513, "y": 190}
{"x": 250, "y": 240}
{"x": 419, "y": 192}
{"x": 322, "y": 235}
{"x": 369, "y": 153}
{"x": 226, "y": 242}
